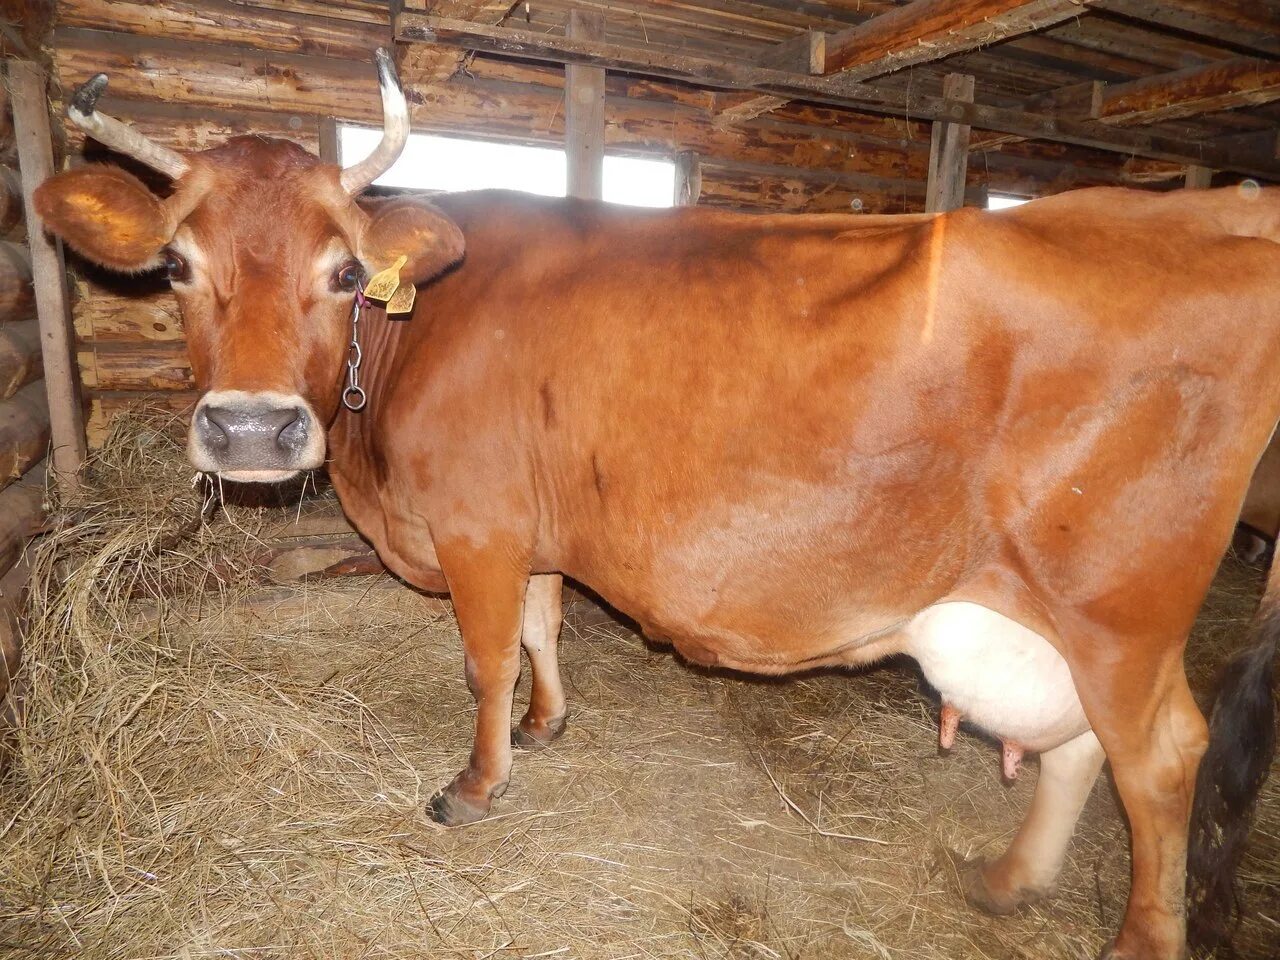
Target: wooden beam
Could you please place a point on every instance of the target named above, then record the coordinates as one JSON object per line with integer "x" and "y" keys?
{"x": 949, "y": 152}
{"x": 929, "y": 30}
{"x": 1199, "y": 178}
{"x": 1245, "y": 25}
{"x": 805, "y": 53}
{"x": 19, "y": 356}
{"x": 1241, "y": 82}
{"x": 1075, "y": 100}
{"x": 837, "y": 91}
{"x": 24, "y": 431}
{"x": 584, "y": 112}
{"x": 35, "y": 157}
{"x": 688, "y": 179}
{"x": 920, "y": 32}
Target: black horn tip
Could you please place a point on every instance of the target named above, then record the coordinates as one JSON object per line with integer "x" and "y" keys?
{"x": 387, "y": 75}
{"x": 85, "y": 99}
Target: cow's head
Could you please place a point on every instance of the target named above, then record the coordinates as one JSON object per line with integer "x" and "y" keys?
{"x": 264, "y": 246}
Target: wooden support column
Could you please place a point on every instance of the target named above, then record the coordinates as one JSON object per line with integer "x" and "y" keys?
{"x": 330, "y": 146}
{"x": 1198, "y": 178}
{"x": 584, "y": 113}
{"x": 35, "y": 159}
{"x": 688, "y": 178}
{"x": 949, "y": 151}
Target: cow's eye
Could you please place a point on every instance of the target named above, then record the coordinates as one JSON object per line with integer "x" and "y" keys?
{"x": 348, "y": 276}
{"x": 175, "y": 267}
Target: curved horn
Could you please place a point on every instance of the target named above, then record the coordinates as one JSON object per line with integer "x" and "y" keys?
{"x": 395, "y": 130}
{"x": 120, "y": 137}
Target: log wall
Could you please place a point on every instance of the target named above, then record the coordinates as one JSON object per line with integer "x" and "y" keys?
{"x": 191, "y": 74}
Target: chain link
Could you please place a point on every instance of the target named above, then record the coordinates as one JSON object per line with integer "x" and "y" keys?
{"x": 353, "y": 397}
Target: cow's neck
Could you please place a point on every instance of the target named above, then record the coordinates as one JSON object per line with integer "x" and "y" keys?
{"x": 352, "y": 439}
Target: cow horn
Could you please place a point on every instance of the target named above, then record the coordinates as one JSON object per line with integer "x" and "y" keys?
{"x": 120, "y": 137}
{"x": 395, "y": 130}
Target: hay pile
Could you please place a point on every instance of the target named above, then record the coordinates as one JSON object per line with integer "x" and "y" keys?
{"x": 211, "y": 767}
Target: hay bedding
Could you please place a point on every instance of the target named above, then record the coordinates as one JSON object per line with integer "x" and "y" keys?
{"x": 211, "y": 768}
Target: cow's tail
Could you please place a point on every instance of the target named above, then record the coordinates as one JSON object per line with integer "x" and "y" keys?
{"x": 1242, "y": 745}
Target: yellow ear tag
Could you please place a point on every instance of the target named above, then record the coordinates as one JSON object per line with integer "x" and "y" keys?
{"x": 402, "y": 300}
{"x": 383, "y": 285}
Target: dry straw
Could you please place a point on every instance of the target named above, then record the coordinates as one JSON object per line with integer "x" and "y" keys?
{"x": 211, "y": 767}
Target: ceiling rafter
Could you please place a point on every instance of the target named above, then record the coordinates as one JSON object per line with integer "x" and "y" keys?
{"x": 834, "y": 90}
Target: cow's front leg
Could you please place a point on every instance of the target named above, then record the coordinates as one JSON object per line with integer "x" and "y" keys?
{"x": 488, "y": 591}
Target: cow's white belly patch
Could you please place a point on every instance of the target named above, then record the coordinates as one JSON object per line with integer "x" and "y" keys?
{"x": 1002, "y": 677}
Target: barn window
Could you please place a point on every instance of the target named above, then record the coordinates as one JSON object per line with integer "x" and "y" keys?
{"x": 452, "y": 163}
{"x": 997, "y": 201}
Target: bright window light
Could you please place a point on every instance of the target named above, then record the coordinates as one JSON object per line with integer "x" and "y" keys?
{"x": 450, "y": 163}
{"x": 997, "y": 202}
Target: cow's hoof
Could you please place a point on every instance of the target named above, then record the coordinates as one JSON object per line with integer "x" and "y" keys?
{"x": 450, "y": 809}
{"x": 535, "y": 736}
{"x": 978, "y": 893}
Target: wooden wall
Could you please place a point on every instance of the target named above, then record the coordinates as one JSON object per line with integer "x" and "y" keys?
{"x": 190, "y": 73}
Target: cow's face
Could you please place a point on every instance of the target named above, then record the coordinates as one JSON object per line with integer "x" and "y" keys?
{"x": 264, "y": 247}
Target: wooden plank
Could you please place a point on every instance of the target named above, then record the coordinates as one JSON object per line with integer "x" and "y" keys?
{"x": 584, "y": 113}
{"x": 688, "y": 183}
{"x": 927, "y": 30}
{"x": 125, "y": 312}
{"x": 731, "y": 108}
{"x": 135, "y": 365}
{"x": 1243, "y": 81}
{"x": 17, "y": 291}
{"x": 24, "y": 431}
{"x": 949, "y": 152}
{"x": 19, "y": 356}
{"x": 35, "y": 154}
{"x": 835, "y": 90}
{"x": 1199, "y": 178}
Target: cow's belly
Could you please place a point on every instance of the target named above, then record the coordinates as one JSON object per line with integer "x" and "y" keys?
{"x": 1000, "y": 676}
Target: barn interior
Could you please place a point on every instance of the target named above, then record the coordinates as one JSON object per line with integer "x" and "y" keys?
{"x": 214, "y": 750}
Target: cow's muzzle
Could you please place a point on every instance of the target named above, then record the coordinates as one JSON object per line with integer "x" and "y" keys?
{"x": 254, "y": 437}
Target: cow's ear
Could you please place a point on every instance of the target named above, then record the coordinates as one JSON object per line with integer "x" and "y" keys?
{"x": 411, "y": 228}
{"x": 107, "y": 215}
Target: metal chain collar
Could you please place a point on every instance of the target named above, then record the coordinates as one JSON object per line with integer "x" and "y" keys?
{"x": 353, "y": 397}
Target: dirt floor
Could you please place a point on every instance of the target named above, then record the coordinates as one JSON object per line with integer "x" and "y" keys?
{"x": 241, "y": 773}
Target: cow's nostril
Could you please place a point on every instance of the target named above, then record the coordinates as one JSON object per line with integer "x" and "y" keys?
{"x": 293, "y": 434}
{"x": 212, "y": 433}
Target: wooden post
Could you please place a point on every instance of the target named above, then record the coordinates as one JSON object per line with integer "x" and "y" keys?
{"x": 688, "y": 179}
{"x": 35, "y": 159}
{"x": 1198, "y": 178}
{"x": 584, "y": 113}
{"x": 949, "y": 151}
{"x": 330, "y": 148}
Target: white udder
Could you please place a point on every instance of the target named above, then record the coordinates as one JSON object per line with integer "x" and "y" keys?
{"x": 1006, "y": 679}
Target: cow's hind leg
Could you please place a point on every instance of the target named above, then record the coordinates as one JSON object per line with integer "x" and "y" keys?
{"x": 1028, "y": 870}
{"x": 1136, "y": 696}
{"x": 545, "y": 719}
{"x": 488, "y": 598}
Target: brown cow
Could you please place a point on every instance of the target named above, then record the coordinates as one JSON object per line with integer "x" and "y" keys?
{"x": 1011, "y": 444}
